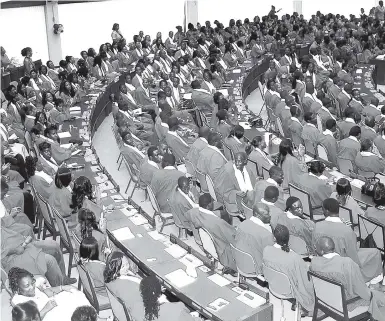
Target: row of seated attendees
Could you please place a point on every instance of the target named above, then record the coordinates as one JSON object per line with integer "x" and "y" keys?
{"x": 173, "y": 124}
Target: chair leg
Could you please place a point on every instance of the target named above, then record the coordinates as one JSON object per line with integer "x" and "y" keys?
{"x": 128, "y": 185}
{"x": 70, "y": 260}
{"x": 163, "y": 223}
{"x": 44, "y": 231}
{"x": 120, "y": 164}
{"x": 282, "y": 311}
{"x": 133, "y": 190}
{"x": 120, "y": 155}
{"x": 297, "y": 312}
{"x": 79, "y": 284}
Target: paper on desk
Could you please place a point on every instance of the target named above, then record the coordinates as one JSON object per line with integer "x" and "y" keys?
{"x": 187, "y": 96}
{"x": 95, "y": 169}
{"x": 138, "y": 219}
{"x": 128, "y": 212}
{"x": 176, "y": 251}
{"x": 156, "y": 236}
{"x": 359, "y": 71}
{"x": 323, "y": 177}
{"x": 182, "y": 168}
{"x": 123, "y": 233}
{"x": 380, "y": 57}
{"x": 64, "y": 134}
{"x": 179, "y": 278}
{"x": 76, "y": 152}
{"x": 245, "y": 125}
{"x": 66, "y": 145}
{"x": 336, "y": 174}
{"x": 236, "y": 71}
{"x": 251, "y": 299}
{"x": 357, "y": 183}
{"x": 106, "y": 186}
{"x": 225, "y": 92}
{"x": 308, "y": 158}
{"x": 218, "y": 304}
{"x": 219, "y": 280}
{"x": 191, "y": 260}
{"x": 276, "y": 141}
{"x": 13, "y": 136}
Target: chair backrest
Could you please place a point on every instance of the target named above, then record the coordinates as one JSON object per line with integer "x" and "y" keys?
{"x": 346, "y": 216}
{"x": 322, "y": 152}
{"x": 227, "y": 151}
{"x": 279, "y": 284}
{"x": 270, "y": 114}
{"x": 329, "y": 294}
{"x": 345, "y": 166}
{"x": 265, "y": 173}
{"x": 202, "y": 181}
{"x": 319, "y": 123}
{"x": 381, "y": 177}
{"x": 190, "y": 168}
{"x": 45, "y": 210}
{"x": 28, "y": 140}
{"x": 309, "y": 147}
{"x": 298, "y": 245}
{"x": 365, "y": 173}
{"x": 88, "y": 285}
{"x": 210, "y": 186}
{"x": 247, "y": 211}
{"x": 207, "y": 242}
{"x": 260, "y": 86}
{"x": 65, "y": 236}
{"x": 153, "y": 200}
{"x": 245, "y": 262}
{"x": 280, "y": 127}
{"x": 118, "y": 307}
{"x": 367, "y": 226}
{"x": 132, "y": 171}
{"x": 304, "y": 197}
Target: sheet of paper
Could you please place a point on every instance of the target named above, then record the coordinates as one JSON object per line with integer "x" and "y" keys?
{"x": 106, "y": 186}
{"x": 308, "y": 158}
{"x": 179, "y": 278}
{"x": 251, "y": 299}
{"x": 359, "y": 71}
{"x": 336, "y": 174}
{"x": 95, "y": 169}
{"x": 176, "y": 251}
{"x": 225, "y": 92}
{"x": 128, "y": 212}
{"x": 219, "y": 280}
{"x": 191, "y": 260}
{"x": 187, "y": 96}
{"x": 66, "y": 145}
{"x": 357, "y": 183}
{"x": 13, "y": 136}
{"x": 100, "y": 180}
{"x": 64, "y": 134}
{"x": 117, "y": 197}
{"x": 236, "y": 71}
{"x": 156, "y": 235}
{"x": 218, "y": 304}
{"x": 245, "y": 125}
{"x": 123, "y": 233}
{"x": 138, "y": 219}
{"x": 75, "y": 108}
{"x": 76, "y": 152}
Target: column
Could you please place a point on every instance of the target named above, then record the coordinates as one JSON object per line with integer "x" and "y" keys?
{"x": 297, "y": 6}
{"x": 190, "y": 12}
{"x": 51, "y": 11}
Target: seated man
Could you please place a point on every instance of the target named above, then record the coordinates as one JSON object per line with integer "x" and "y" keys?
{"x": 202, "y": 98}
{"x": 178, "y": 146}
{"x": 280, "y": 258}
{"x": 349, "y": 147}
{"x": 235, "y": 142}
{"x": 346, "y": 125}
{"x": 275, "y": 179}
{"x": 257, "y": 156}
{"x": 39, "y": 257}
{"x": 142, "y": 97}
{"x": 150, "y": 165}
{"x": 165, "y": 181}
{"x": 234, "y": 182}
{"x": 254, "y": 234}
{"x": 344, "y": 270}
{"x": 270, "y": 198}
{"x": 328, "y": 141}
{"x": 310, "y": 133}
{"x": 345, "y": 240}
{"x": 131, "y": 149}
{"x": 195, "y": 149}
{"x": 367, "y": 162}
{"x": 223, "y": 233}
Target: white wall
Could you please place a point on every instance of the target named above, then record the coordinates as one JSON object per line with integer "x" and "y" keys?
{"x": 24, "y": 27}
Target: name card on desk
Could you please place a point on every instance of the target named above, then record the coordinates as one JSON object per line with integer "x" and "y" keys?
{"x": 176, "y": 251}
{"x": 219, "y": 280}
{"x": 179, "y": 278}
{"x": 156, "y": 235}
{"x": 64, "y": 135}
{"x": 123, "y": 234}
{"x": 128, "y": 212}
{"x": 251, "y": 299}
{"x": 138, "y": 219}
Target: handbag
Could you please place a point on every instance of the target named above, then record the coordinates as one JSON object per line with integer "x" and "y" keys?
{"x": 368, "y": 187}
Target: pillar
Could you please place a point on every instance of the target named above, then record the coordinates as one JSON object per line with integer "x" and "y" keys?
{"x": 51, "y": 11}
{"x": 190, "y": 12}
{"x": 297, "y": 6}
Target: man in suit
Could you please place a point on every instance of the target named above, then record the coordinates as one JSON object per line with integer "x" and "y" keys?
{"x": 142, "y": 96}
{"x": 137, "y": 81}
{"x": 328, "y": 141}
{"x": 273, "y": 98}
{"x": 131, "y": 149}
{"x": 366, "y": 161}
{"x": 371, "y": 108}
{"x": 195, "y": 149}
{"x": 202, "y": 98}
{"x": 335, "y": 88}
{"x": 257, "y": 51}
{"x": 344, "y": 97}
{"x": 345, "y": 74}
{"x": 178, "y": 146}
{"x": 270, "y": 198}
{"x": 254, "y": 234}
{"x": 294, "y": 126}
{"x": 368, "y": 131}
{"x": 350, "y": 146}
{"x": 165, "y": 181}
{"x": 346, "y": 125}
{"x": 149, "y": 165}
{"x": 126, "y": 98}
{"x": 310, "y": 133}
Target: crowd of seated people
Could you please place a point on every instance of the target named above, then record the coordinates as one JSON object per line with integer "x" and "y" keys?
{"x": 182, "y": 138}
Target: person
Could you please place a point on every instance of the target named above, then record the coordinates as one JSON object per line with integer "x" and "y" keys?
{"x": 328, "y": 141}
{"x": 199, "y": 144}
{"x": 349, "y": 147}
{"x": 279, "y": 257}
{"x": 177, "y": 144}
{"x": 291, "y": 166}
{"x": 116, "y": 34}
{"x": 348, "y": 123}
{"x": 26, "y": 311}
{"x": 379, "y": 12}
{"x": 343, "y": 195}
{"x": 234, "y": 182}
{"x": 45, "y": 159}
{"x": 85, "y": 313}
{"x": 218, "y": 225}
{"x": 330, "y": 264}
{"x": 164, "y": 182}
{"x": 368, "y": 131}
{"x": 41, "y": 182}
{"x": 310, "y": 133}
{"x": 55, "y": 303}
{"x": 367, "y": 162}
{"x": 131, "y": 149}
{"x": 275, "y": 179}
{"x": 377, "y": 212}
{"x": 254, "y": 234}
{"x": 368, "y": 259}
{"x": 150, "y": 165}
{"x": 258, "y": 155}
{"x": 316, "y": 185}
{"x": 28, "y": 62}
{"x": 61, "y": 196}
{"x": 235, "y": 143}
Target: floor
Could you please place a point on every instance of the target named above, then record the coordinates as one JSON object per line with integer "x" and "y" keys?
{"x": 108, "y": 152}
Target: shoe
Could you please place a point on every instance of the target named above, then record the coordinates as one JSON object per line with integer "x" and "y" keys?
{"x": 227, "y": 270}
{"x": 69, "y": 281}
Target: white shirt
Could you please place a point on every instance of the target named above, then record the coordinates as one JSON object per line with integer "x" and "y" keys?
{"x": 266, "y": 202}
{"x": 328, "y": 132}
{"x": 189, "y": 197}
{"x": 349, "y": 120}
{"x": 257, "y": 221}
{"x": 292, "y": 216}
{"x": 271, "y": 181}
{"x": 367, "y": 154}
{"x": 152, "y": 163}
{"x": 203, "y": 210}
{"x": 330, "y": 255}
{"x": 333, "y": 219}
{"x": 353, "y": 138}
{"x": 243, "y": 179}
{"x": 210, "y": 85}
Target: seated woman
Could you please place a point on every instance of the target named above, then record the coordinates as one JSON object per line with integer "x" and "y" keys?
{"x": 42, "y": 182}
{"x": 67, "y": 93}
{"x": 53, "y": 73}
{"x": 89, "y": 258}
{"x": 230, "y": 57}
{"x": 280, "y": 258}
{"x": 60, "y": 113}
{"x": 56, "y": 303}
{"x": 61, "y": 197}
{"x": 74, "y": 80}
{"x": 26, "y": 311}
{"x": 378, "y": 212}
{"x": 97, "y": 70}
{"x": 257, "y": 155}
{"x": 41, "y": 121}
{"x": 29, "y": 118}
{"x": 48, "y": 101}
{"x": 26, "y": 95}
{"x": 343, "y": 195}
{"x": 37, "y": 85}
{"x": 48, "y": 84}
{"x": 235, "y": 142}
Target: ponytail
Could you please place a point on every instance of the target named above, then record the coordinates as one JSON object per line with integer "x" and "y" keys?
{"x": 285, "y": 248}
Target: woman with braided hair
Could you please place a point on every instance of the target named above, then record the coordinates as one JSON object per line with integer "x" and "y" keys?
{"x": 280, "y": 258}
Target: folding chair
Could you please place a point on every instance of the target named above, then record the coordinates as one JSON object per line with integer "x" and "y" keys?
{"x": 134, "y": 177}
{"x": 119, "y": 142}
{"x": 271, "y": 119}
{"x": 322, "y": 153}
{"x": 310, "y": 148}
{"x": 368, "y": 226}
{"x": 306, "y": 202}
{"x": 265, "y": 173}
{"x": 280, "y": 287}
{"x": 99, "y": 301}
{"x": 229, "y": 154}
{"x": 345, "y": 166}
{"x": 208, "y": 244}
{"x": 346, "y": 216}
{"x": 190, "y": 168}
{"x": 119, "y": 309}
{"x": 210, "y": 186}
{"x": 280, "y": 127}
{"x": 202, "y": 181}
{"x": 247, "y": 211}
{"x": 48, "y": 222}
{"x": 331, "y": 299}
{"x": 65, "y": 239}
{"x": 166, "y": 218}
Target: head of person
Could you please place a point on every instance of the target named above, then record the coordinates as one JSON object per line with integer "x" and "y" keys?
{"x": 82, "y": 189}
{"x": 45, "y": 150}
{"x": 262, "y": 212}
{"x": 21, "y": 282}
{"x": 184, "y": 184}
{"x": 276, "y": 174}
{"x": 240, "y": 160}
{"x": 355, "y": 131}
{"x": 331, "y": 125}
{"x": 206, "y": 201}
{"x": 150, "y": 290}
{"x": 26, "y": 311}
{"x": 370, "y": 121}
{"x": 343, "y": 187}
{"x": 316, "y": 167}
{"x": 259, "y": 142}
{"x": 51, "y": 133}
{"x": 63, "y": 177}
{"x": 238, "y": 131}
{"x": 310, "y": 118}
{"x": 214, "y": 139}
{"x": 379, "y": 194}
{"x": 84, "y": 313}
{"x": 154, "y": 154}
{"x": 204, "y": 132}
{"x": 89, "y": 249}
{"x": 26, "y": 52}
{"x": 331, "y": 207}
{"x": 294, "y": 206}
{"x": 366, "y": 145}
{"x": 173, "y": 123}
{"x": 117, "y": 264}
{"x": 282, "y": 236}
{"x": 324, "y": 245}
{"x": 271, "y": 194}
{"x": 168, "y": 160}
{"x": 168, "y": 91}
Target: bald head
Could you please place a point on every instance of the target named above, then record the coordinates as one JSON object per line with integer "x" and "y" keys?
{"x": 240, "y": 160}
{"x": 262, "y": 212}
{"x": 183, "y": 181}
{"x": 204, "y": 132}
{"x": 271, "y": 194}
{"x": 325, "y": 245}
{"x": 370, "y": 121}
